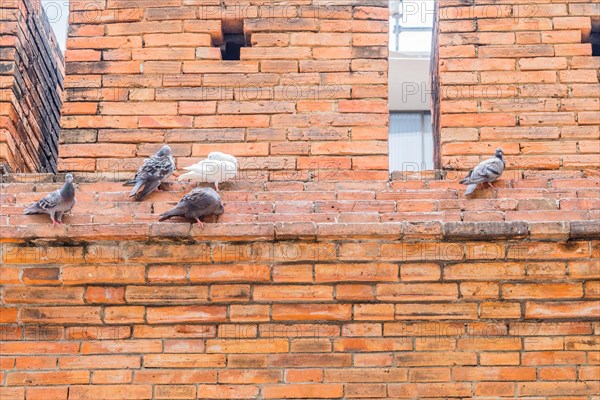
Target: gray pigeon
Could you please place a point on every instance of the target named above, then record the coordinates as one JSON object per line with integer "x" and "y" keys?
{"x": 56, "y": 203}
{"x": 195, "y": 205}
{"x": 150, "y": 175}
{"x": 486, "y": 171}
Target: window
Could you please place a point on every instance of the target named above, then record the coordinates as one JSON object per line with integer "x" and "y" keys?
{"x": 411, "y": 141}
{"x": 411, "y": 23}
{"x": 410, "y": 135}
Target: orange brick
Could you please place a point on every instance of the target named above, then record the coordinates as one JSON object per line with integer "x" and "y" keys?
{"x": 292, "y": 293}
{"x": 98, "y": 294}
{"x": 43, "y": 393}
{"x": 356, "y": 272}
{"x": 308, "y": 390}
{"x": 354, "y": 292}
{"x": 48, "y": 378}
{"x": 227, "y": 391}
{"x": 250, "y": 376}
{"x": 583, "y": 309}
{"x": 110, "y": 392}
{"x": 186, "y": 314}
{"x": 35, "y": 363}
{"x": 184, "y": 361}
{"x": 494, "y": 389}
{"x": 304, "y": 375}
{"x": 309, "y": 312}
{"x": 555, "y": 291}
{"x": 158, "y": 376}
{"x": 416, "y": 291}
{"x": 175, "y": 392}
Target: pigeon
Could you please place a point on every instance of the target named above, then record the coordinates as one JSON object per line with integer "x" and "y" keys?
{"x": 218, "y": 167}
{"x": 486, "y": 171}
{"x": 150, "y": 175}
{"x": 56, "y": 203}
{"x": 195, "y": 205}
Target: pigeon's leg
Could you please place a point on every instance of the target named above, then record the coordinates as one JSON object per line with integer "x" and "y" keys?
{"x": 217, "y": 185}
{"x": 54, "y": 222}
{"x": 200, "y": 223}
{"x": 492, "y": 186}
{"x": 59, "y": 216}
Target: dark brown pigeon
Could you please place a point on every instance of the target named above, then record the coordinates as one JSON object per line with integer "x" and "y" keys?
{"x": 195, "y": 205}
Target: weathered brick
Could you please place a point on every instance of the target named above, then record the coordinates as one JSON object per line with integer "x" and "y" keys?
{"x": 308, "y": 390}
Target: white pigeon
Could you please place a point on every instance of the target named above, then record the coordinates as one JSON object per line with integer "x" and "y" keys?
{"x": 218, "y": 167}
{"x": 486, "y": 171}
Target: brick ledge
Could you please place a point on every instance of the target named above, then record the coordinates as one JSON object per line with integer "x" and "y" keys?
{"x": 405, "y": 231}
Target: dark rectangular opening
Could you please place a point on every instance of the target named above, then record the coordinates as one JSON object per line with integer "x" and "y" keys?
{"x": 595, "y": 37}
{"x": 233, "y": 39}
{"x": 232, "y": 43}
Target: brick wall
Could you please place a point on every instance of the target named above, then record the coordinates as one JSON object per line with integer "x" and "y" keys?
{"x": 309, "y": 93}
{"x": 31, "y": 82}
{"x": 322, "y": 293}
{"x": 519, "y": 75}
{"x": 322, "y": 289}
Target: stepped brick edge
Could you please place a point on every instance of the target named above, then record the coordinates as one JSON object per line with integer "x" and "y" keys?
{"x": 405, "y": 231}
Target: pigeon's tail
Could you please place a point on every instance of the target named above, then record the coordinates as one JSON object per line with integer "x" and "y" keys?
{"x": 32, "y": 209}
{"x": 130, "y": 183}
{"x": 136, "y": 188}
{"x": 471, "y": 188}
{"x": 169, "y": 214}
{"x": 464, "y": 181}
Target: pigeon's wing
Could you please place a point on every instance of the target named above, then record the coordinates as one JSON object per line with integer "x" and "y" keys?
{"x": 197, "y": 203}
{"x": 155, "y": 168}
{"x": 486, "y": 171}
{"x": 217, "y": 155}
{"x": 203, "y": 201}
{"x": 205, "y": 171}
{"x": 151, "y": 174}
{"x": 52, "y": 200}
{"x": 144, "y": 173}
{"x": 492, "y": 169}
{"x": 198, "y": 200}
